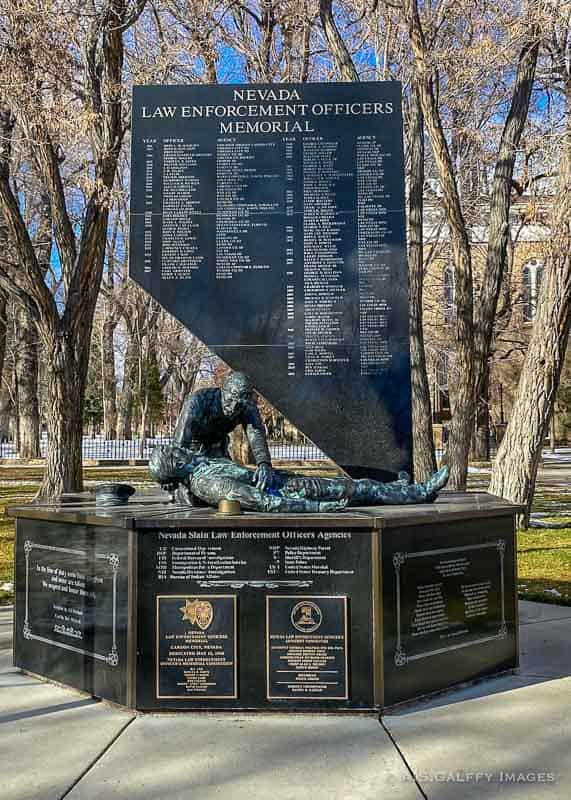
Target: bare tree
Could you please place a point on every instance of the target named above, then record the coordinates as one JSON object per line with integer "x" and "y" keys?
{"x": 126, "y": 396}
{"x": 337, "y": 47}
{"x": 423, "y": 440}
{"x": 499, "y": 225}
{"x": 435, "y": 33}
{"x": 27, "y": 346}
{"x": 111, "y": 312}
{"x": 515, "y": 468}
{"x": 49, "y": 73}
{"x": 4, "y": 400}
{"x": 463, "y": 410}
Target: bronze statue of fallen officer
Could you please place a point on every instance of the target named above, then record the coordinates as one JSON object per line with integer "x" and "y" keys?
{"x": 194, "y": 479}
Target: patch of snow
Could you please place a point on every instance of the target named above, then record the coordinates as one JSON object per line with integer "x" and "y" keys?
{"x": 554, "y": 592}
{"x": 562, "y": 455}
{"x": 124, "y": 449}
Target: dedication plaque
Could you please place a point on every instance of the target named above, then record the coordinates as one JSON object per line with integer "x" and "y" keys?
{"x": 71, "y": 610}
{"x": 453, "y": 600}
{"x": 448, "y": 605}
{"x": 71, "y": 599}
{"x": 270, "y": 221}
{"x": 306, "y": 648}
{"x": 196, "y": 647}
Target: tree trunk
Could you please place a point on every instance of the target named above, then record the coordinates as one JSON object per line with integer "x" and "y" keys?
{"x": 515, "y": 468}
{"x": 144, "y": 419}
{"x": 66, "y": 390}
{"x": 125, "y": 410}
{"x": 481, "y": 448}
{"x": 305, "y": 49}
{"x": 3, "y": 327}
{"x": 337, "y": 47}
{"x": 423, "y": 441}
{"x": 498, "y": 233}
{"x": 5, "y": 412}
{"x": 26, "y": 369}
{"x": 268, "y": 23}
{"x": 5, "y": 399}
{"x": 462, "y": 421}
{"x": 108, "y": 378}
{"x": 143, "y": 425}
{"x": 462, "y": 399}
{"x": 240, "y": 447}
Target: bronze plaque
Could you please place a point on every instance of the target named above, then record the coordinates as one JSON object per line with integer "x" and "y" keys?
{"x": 306, "y": 647}
{"x": 196, "y": 655}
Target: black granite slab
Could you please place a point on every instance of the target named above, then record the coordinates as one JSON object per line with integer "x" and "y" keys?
{"x": 279, "y": 241}
{"x": 260, "y": 572}
{"x": 449, "y": 605}
{"x": 174, "y": 608}
{"x": 157, "y": 513}
{"x": 72, "y": 609}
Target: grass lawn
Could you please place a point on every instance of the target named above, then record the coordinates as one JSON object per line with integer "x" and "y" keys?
{"x": 18, "y": 485}
{"x": 544, "y": 563}
{"x": 544, "y": 555}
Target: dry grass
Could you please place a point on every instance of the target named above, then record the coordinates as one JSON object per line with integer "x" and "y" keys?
{"x": 544, "y": 563}
{"x": 18, "y": 485}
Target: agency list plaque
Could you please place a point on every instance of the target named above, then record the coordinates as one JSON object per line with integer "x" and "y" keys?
{"x": 256, "y": 617}
{"x": 269, "y": 220}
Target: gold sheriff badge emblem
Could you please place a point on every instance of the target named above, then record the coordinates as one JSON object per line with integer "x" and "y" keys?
{"x": 198, "y": 612}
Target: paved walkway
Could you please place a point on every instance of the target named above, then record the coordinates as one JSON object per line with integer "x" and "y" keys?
{"x": 506, "y": 738}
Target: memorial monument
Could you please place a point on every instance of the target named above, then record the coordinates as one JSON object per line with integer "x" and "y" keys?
{"x": 270, "y": 221}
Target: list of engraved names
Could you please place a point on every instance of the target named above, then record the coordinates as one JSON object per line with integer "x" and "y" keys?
{"x": 308, "y": 211}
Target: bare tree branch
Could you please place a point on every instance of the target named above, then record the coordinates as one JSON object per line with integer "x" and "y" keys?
{"x": 338, "y": 48}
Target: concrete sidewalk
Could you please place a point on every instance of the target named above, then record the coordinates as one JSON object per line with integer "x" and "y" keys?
{"x": 506, "y": 738}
